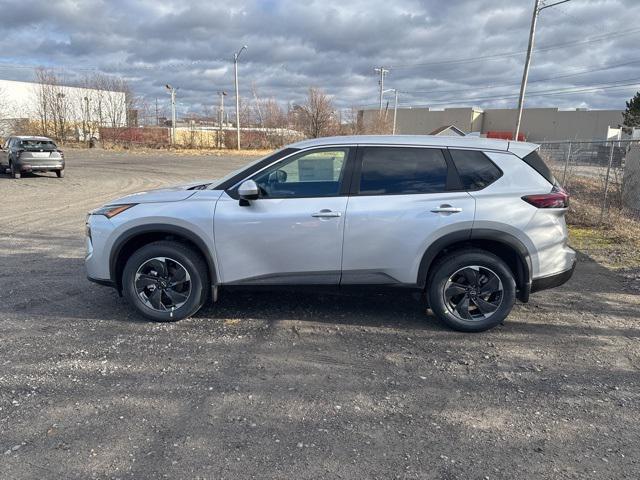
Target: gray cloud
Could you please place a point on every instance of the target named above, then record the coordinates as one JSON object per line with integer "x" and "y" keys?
{"x": 333, "y": 45}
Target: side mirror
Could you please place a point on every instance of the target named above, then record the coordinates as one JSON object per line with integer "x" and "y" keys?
{"x": 248, "y": 190}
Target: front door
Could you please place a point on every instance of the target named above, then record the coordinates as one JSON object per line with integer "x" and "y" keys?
{"x": 293, "y": 233}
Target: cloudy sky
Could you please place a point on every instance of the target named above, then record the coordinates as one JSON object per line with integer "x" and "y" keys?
{"x": 439, "y": 53}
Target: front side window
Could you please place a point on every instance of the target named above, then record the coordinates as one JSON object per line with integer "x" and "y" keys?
{"x": 400, "y": 170}
{"x": 308, "y": 174}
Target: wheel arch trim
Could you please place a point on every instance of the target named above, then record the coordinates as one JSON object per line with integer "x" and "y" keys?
{"x": 524, "y": 264}
{"x": 159, "y": 228}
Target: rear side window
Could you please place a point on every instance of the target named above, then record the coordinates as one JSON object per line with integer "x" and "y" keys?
{"x": 534, "y": 160}
{"x": 475, "y": 170}
{"x": 394, "y": 170}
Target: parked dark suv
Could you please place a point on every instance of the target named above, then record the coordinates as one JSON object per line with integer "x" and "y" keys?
{"x": 31, "y": 154}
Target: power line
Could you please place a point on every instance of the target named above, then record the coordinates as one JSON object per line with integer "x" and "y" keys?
{"x": 538, "y": 93}
{"x": 597, "y": 38}
{"x": 538, "y": 80}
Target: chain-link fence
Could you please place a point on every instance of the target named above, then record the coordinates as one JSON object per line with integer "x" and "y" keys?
{"x": 603, "y": 178}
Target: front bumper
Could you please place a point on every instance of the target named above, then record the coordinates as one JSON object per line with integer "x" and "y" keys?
{"x": 552, "y": 281}
{"x": 100, "y": 281}
{"x": 96, "y": 261}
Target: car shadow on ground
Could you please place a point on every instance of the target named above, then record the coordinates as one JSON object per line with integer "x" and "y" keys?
{"x": 56, "y": 288}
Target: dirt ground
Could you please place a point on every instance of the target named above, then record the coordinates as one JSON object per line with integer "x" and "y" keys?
{"x": 294, "y": 386}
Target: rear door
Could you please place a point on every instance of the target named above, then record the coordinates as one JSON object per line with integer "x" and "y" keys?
{"x": 293, "y": 233}
{"x": 403, "y": 199}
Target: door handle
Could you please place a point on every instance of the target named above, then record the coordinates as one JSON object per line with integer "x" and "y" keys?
{"x": 446, "y": 208}
{"x": 326, "y": 213}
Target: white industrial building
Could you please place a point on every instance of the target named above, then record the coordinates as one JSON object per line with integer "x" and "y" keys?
{"x": 79, "y": 108}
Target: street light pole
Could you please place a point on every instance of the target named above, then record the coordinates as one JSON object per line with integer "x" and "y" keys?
{"x": 538, "y": 7}
{"x": 395, "y": 111}
{"x": 222, "y": 94}
{"x": 87, "y": 126}
{"x": 235, "y": 68}
{"x": 382, "y": 71}
{"x": 172, "y": 92}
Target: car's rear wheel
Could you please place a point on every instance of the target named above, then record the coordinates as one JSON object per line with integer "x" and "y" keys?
{"x": 165, "y": 281}
{"x": 471, "y": 290}
{"x": 60, "y": 173}
{"x": 15, "y": 173}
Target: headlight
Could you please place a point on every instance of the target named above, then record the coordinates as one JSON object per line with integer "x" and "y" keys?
{"x": 111, "y": 211}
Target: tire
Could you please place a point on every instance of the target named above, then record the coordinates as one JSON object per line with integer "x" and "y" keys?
{"x": 156, "y": 299}
{"x": 14, "y": 173}
{"x": 60, "y": 173}
{"x": 477, "y": 277}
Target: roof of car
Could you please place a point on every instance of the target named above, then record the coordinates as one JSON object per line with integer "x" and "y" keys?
{"x": 519, "y": 148}
{"x": 33, "y": 137}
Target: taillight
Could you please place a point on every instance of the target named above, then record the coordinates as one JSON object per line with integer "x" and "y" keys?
{"x": 60, "y": 152}
{"x": 557, "y": 198}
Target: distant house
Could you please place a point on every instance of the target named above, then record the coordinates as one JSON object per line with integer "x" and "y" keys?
{"x": 448, "y": 131}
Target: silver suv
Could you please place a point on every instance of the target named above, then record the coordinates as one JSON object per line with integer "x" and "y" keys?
{"x": 31, "y": 154}
{"x": 473, "y": 223}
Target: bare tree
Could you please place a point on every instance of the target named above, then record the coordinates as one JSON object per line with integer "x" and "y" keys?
{"x": 316, "y": 116}
{"x": 53, "y": 105}
{"x": 114, "y": 100}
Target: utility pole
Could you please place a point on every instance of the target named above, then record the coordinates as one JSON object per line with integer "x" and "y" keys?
{"x": 537, "y": 8}
{"x": 382, "y": 71}
{"x": 172, "y": 92}
{"x": 395, "y": 108}
{"x": 222, "y": 94}
{"x": 235, "y": 68}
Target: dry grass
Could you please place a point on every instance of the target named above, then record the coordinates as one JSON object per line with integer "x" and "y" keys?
{"x": 616, "y": 242}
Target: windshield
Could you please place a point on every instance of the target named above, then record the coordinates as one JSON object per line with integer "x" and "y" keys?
{"x": 37, "y": 145}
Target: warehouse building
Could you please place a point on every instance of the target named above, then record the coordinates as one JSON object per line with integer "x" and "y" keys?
{"x": 538, "y": 124}
{"x": 79, "y": 111}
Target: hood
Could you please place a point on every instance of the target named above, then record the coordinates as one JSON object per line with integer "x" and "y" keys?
{"x": 167, "y": 194}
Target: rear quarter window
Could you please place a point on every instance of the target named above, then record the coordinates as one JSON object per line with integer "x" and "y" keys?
{"x": 534, "y": 160}
{"x": 475, "y": 169}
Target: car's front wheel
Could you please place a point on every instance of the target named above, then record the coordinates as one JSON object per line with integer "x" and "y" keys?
{"x": 60, "y": 173}
{"x": 165, "y": 281}
{"x": 471, "y": 290}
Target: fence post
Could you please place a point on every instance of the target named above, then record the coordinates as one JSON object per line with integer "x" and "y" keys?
{"x": 606, "y": 185}
{"x": 566, "y": 165}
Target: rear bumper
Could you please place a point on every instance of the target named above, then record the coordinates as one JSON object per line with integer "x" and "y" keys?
{"x": 552, "y": 281}
{"x": 36, "y": 167}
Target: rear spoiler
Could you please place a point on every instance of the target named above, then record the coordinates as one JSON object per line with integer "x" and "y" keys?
{"x": 522, "y": 149}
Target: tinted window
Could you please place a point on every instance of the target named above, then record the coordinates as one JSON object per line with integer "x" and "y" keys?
{"x": 534, "y": 160}
{"x": 309, "y": 174}
{"x": 475, "y": 170}
{"x": 389, "y": 170}
{"x": 37, "y": 145}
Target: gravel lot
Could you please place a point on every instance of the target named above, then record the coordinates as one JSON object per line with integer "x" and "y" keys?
{"x": 292, "y": 385}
